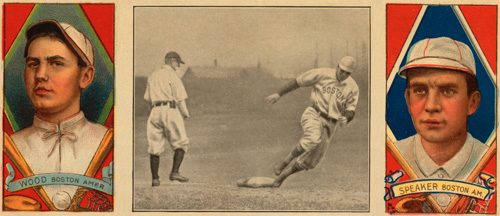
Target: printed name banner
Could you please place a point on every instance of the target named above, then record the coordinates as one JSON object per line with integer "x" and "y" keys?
{"x": 441, "y": 186}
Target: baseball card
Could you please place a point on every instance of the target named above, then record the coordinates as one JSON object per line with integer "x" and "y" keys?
{"x": 441, "y": 108}
{"x": 276, "y": 107}
{"x": 251, "y": 108}
{"x": 58, "y": 85}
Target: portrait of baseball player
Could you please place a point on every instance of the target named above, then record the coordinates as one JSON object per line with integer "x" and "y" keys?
{"x": 271, "y": 91}
{"x": 60, "y": 153}
{"x": 441, "y": 93}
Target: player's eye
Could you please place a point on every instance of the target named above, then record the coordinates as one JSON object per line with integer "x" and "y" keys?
{"x": 32, "y": 64}
{"x": 57, "y": 63}
{"x": 448, "y": 91}
{"x": 419, "y": 91}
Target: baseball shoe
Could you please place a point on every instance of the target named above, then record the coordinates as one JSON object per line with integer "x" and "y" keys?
{"x": 156, "y": 182}
{"x": 178, "y": 177}
{"x": 276, "y": 183}
{"x": 278, "y": 167}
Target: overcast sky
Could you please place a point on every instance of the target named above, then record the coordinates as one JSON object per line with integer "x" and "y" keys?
{"x": 285, "y": 40}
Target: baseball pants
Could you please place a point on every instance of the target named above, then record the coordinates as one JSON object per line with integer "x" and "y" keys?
{"x": 166, "y": 124}
{"x": 318, "y": 134}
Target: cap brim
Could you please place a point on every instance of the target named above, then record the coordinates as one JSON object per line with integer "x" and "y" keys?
{"x": 344, "y": 69}
{"x": 439, "y": 63}
{"x": 54, "y": 26}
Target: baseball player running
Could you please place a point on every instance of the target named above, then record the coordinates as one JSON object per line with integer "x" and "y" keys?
{"x": 166, "y": 95}
{"x": 334, "y": 98}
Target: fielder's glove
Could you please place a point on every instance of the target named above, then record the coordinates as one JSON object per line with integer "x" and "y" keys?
{"x": 349, "y": 114}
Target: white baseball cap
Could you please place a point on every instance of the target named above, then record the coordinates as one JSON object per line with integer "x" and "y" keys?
{"x": 441, "y": 52}
{"x": 347, "y": 63}
{"x": 75, "y": 39}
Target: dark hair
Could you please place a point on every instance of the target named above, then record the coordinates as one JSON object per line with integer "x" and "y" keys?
{"x": 58, "y": 36}
{"x": 472, "y": 84}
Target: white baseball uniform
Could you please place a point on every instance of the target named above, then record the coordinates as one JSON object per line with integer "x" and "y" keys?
{"x": 459, "y": 167}
{"x": 330, "y": 97}
{"x": 165, "y": 122}
{"x": 67, "y": 147}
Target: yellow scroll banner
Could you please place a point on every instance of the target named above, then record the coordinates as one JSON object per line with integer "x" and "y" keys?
{"x": 441, "y": 186}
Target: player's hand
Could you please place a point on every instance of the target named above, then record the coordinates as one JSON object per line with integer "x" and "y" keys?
{"x": 272, "y": 99}
{"x": 342, "y": 120}
{"x": 349, "y": 114}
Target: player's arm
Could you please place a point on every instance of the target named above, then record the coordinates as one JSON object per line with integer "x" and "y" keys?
{"x": 147, "y": 97}
{"x": 308, "y": 78}
{"x": 181, "y": 97}
{"x": 290, "y": 86}
{"x": 351, "y": 104}
{"x": 183, "y": 108}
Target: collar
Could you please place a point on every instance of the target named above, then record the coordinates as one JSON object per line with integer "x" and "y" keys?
{"x": 66, "y": 129}
{"x": 452, "y": 167}
{"x": 166, "y": 66}
{"x": 64, "y": 125}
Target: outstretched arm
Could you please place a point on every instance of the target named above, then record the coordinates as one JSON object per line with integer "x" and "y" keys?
{"x": 290, "y": 86}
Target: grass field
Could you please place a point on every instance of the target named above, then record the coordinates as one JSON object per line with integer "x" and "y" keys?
{"x": 236, "y": 135}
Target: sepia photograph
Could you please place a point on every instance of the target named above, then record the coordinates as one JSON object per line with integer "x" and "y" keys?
{"x": 251, "y": 108}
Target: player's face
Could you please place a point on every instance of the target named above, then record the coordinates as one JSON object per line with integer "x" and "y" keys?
{"x": 439, "y": 104}
{"x": 342, "y": 74}
{"x": 53, "y": 78}
{"x": 175, "y": 63}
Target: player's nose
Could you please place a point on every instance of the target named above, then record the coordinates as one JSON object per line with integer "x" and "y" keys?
{"x": 433, "y": 102}
{"x": 41, "y": 73}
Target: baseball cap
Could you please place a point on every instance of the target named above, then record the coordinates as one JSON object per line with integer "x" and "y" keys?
{"x": 174, "y": 55}
{"x": 347, "y": 63}
{"x": 75, "y": 39}
{"x": 441, "y": 52}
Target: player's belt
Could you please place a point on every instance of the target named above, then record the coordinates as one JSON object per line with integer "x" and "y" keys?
{"x": 165, "y": 103}
{"x": 322, "y": 114}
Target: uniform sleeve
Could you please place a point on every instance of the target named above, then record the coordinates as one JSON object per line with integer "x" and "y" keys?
{"x": 180, "y": 93}
{"x": 310, "y": 77}
{"x": 147, "y": 96}
{"x": 352, "y": 101}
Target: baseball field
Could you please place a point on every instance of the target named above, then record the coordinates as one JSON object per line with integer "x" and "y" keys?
{"x": 234, "y": 134}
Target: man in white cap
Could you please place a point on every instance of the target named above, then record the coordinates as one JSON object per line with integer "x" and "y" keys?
{"x": 441, "y": 92}
{"x": 59, "y": 66}
{"x": 167, "y": 96}
{"x": 334, "y": 98}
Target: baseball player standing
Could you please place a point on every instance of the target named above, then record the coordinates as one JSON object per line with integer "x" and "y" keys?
{"x": 166, "y": 95}
{"x": 334, "y": 98}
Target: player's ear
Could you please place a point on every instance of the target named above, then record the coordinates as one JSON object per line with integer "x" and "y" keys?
{"x": 474, "y": 100}
{"x": 86, "y": 76}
